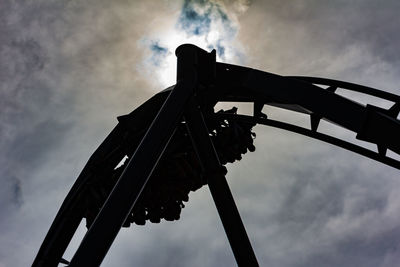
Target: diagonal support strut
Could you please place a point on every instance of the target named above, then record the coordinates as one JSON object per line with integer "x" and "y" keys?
{"x": 132, "y": 181}
{"x": 219, "y": 188}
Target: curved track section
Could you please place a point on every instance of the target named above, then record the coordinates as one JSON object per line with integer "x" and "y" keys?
{"x": 349, "y": 86}
{"x": 316, "y": 135}
{"x": 237, "y": 84}
{"x": 129, "y": 130}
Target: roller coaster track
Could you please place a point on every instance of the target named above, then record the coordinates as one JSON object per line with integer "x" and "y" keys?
{"x": 145, "y": 134}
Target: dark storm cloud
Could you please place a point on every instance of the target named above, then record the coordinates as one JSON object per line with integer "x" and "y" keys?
{"x": 355, "y": 40}
{"x": 68, "y": 68}
{"x": 196, "y": 19}
{"x": 22, "y": 58}
{"x": 357, "y": 250}
{"x": 51, "y": 77}
{"x": 29, "y": 148}
{"x": 17, "y": 190}
{"x": 196, "y": 22}
{"x": 11, "y": 191}
{"x": 317, "y": 208}
{"x": 356, "y": 22}
{"x": 155, "y": 47}
{"x": 159, "y": 53}
{"x": 25, "y": 100}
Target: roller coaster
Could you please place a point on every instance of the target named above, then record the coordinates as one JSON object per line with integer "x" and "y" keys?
{"x": 176, "y": 142}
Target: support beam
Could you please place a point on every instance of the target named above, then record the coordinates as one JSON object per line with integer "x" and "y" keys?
{"x": 219, "y": 188}
{"x": 122, "y": 198}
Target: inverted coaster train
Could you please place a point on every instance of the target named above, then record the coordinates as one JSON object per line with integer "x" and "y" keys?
{"x": 175, "y": 143}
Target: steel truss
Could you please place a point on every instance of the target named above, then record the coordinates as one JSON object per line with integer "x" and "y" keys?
{"x": 201, "y": 83}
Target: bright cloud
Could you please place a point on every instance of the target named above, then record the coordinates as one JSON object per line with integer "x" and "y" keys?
{"x": 207, "y": 24}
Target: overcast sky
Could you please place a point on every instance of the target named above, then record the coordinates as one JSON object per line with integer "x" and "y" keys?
{"x": 69, "y": 68}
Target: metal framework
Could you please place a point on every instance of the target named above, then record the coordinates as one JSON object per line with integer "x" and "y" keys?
{"x": 201, "y": 83}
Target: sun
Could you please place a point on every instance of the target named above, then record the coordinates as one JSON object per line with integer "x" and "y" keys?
{"x": 165, "y": 73}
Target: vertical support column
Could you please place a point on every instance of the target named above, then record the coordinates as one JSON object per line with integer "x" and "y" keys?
{"x": 219, "y": 188}
{"x": 125, "y": 193}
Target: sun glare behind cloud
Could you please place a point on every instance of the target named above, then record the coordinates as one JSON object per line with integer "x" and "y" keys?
{"x": 207, "y": 25}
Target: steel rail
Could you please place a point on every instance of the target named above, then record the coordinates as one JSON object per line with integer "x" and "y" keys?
{"x": 349, "y": 86}
{"x": 316, "y": 135}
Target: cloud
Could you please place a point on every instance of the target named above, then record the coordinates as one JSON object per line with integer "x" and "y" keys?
{"x": 209, "y": 19}
{"x": 340, "y": 40}
{"x": 207, "y": 24}
{"x": 56, "y": 65}
{"x": 195, "y": 18}
{"x": 159, "y": 53}
{"x": 322, "y": 206}
{"x": 69, "y": 68}
{"x": 156, "y": 48}
{"x": 11, "y": 193}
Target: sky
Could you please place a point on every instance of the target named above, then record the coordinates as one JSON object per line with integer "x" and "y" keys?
{"x": 69, "y": 68}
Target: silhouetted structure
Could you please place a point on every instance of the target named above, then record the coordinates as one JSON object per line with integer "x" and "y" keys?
{"x": 175, "y": 143}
